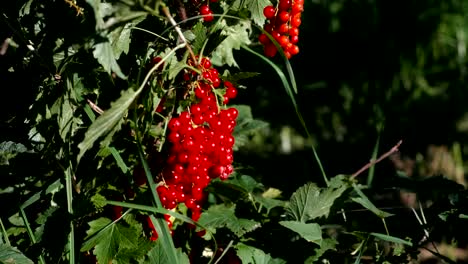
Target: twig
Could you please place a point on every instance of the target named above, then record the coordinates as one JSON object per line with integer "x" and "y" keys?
{"x": 373, "y": 162}
{"x": 95, "y": 107}
{"x": 179, "y": 31}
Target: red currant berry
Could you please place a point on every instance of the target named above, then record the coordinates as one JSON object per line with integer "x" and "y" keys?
{"x": 270, "y": 50}
{"x": 216, "y": 171}
{"x": 263, "y": 38}
{"x": 283, "y": 16}
{"x": 269, "y": 12}
{"x": 284, "y": 5}
{"x": 231, "y": 92}
{"x": 204, "y": 9}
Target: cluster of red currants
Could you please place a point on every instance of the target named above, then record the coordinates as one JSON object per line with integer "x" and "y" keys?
{"x": 204, "y": 9}
{"x": 283, "y": 25}
{"x": 200, "y": 139}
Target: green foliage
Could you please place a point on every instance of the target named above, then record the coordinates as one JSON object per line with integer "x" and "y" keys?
{"x": 9, "y": 150}
{"x": 158, "y": 255}
{"x": 219, "y": 216}
{"x": 109, "y": 122}
{"x": 109, "y": 238}
{"x": 251, "y": 255}
{"x": 310, "y": 202}
{"x": 310, "y": 232}
{"x": 364, "y": 201}
{"x": 325, "y": 245}
{"x": 11, "y": 255}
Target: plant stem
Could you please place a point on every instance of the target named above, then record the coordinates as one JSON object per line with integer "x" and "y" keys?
{"x": 373, "y": 162}
{"x": 71, "y": 236}
{"x": 30, "y": 232}
{"x": 225, "y": 251}
{"x": 5, "y": 235}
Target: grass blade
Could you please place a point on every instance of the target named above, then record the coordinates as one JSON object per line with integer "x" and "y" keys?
{"x": 392, "y": 239}
{"x": 289, "y": 91}
{"x": 370, "y": 176}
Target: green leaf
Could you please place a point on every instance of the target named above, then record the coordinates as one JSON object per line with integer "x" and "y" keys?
{"x": 310, "y": 202}
{"x": 246, "y": 183}
{"x": 391, "y": 239}
{"x": 219, "y": 216}
{"x": 252, "y": 255}
{"x": 310, "y": 232}
{"x": 9, "y": 149}
{"x": 237, "y": 36}
{"x": 11, "y": 255}
{"x": 107, "y": 238}
{"x": 98, "y": 201}
{"x": 101, "y": 10}
{"x": 120, "y": 39}
{"x": 157, "y": 255}
{"x": 26, "y": 8}
{"x": 104, "y": 54}
{"x": 109, "y": 122}
{"x": 364, "y": 201}
{"x": 268, "y": 203}
{"x": 256, "y": 10}
{"x": 325, "y": 245}
{"x": 200, "y": 35}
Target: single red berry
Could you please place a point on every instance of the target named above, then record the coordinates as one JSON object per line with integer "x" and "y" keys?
{"x": 208, "y": 17}
{"x": 270, "y": 50}
{"x": 206, "y": 63}
{"x": 294, "y": 39}
{"x": 268, "y": 27}
{"x": 216, "y": 171}
{"x": 284, "y": 5}
{"x": 283, "y": 28}
{"x": 294, "y": 31}
{"x": 231, "y": 92}
{"x": 283, "y": 41}
{"x": 263, "y": 38}
{"x": 269, "y": 12}
{"x": 297, "y": 8}
{"x": 283, "y": 16}
{"x": 204, "y": 9}
{"x": 296, "y": 21}
{"x": 294, "y": 50}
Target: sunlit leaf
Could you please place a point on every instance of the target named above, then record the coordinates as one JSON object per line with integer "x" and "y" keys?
{"x": 200, "y": 35}
{"x": 237, "y": 36}
{"x": 9, "y": 149}
{"x": 256, "y": 10}
{"x": 310, "y": 232}
{"x": 104, "y": 54}
{"x": 310, "y": 202}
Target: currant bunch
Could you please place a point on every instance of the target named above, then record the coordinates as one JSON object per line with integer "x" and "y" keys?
{"x": 200, "y": 140}
{"x": 283, "y": 25}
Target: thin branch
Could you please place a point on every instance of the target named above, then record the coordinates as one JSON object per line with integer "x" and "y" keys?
{"x": 179, "y": 32}
{"x": 373, "y": 162}
{"x": 95, "y": 107}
